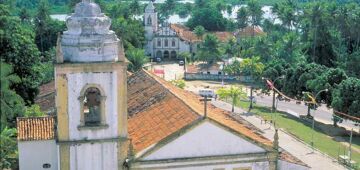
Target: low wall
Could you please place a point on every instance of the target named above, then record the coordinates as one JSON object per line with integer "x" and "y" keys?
{"x": 199, "y": 76}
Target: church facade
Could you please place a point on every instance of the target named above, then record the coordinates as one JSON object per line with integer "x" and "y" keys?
{"x": 164, "y": 41}
{"x": 109, "y": 120}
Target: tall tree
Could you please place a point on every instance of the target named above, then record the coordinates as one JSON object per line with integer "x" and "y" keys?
{"x": 209, "y": 51}
{"x": 12, "y": 105}
{"x": 17, "y": 48}
{"x": 242, "y": 18}
{"x": 135, "y": 7}
{"x": 255, "y": 14}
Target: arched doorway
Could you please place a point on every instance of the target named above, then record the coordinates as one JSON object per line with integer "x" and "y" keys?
{"x": 159, "y": 54}
{"x": 166, "y": 54}
{"x": 173, "y": 54}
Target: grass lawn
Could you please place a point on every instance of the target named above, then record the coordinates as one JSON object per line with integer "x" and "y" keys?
{"x": 303, "y": 131}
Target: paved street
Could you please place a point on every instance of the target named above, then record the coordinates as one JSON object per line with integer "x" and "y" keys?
{"x": 315, "y": 160}
{"x": 322, "y": 114}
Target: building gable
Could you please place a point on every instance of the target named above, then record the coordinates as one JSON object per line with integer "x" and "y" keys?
{"x": 204, "y": 140}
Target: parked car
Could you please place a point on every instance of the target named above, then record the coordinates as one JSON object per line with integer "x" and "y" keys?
{"x": 181, "y": 63}
{"x": 158, "y": 60}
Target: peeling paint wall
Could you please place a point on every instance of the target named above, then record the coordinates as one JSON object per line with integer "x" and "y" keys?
{"x": 97, "y": 156}
{"x": 107, "y": 81}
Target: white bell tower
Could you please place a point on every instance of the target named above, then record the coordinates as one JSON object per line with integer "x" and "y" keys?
{"x": 151, "y": 26}
{"x": 91, "y": 93}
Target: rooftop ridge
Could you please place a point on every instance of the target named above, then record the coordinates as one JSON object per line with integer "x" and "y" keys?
{"x": 212, "y": 115}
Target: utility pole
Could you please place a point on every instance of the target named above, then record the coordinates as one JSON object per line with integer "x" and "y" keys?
{"x": 251, "y": 98}
{"x": 350, "y": 142}
{"x": 205, "y": 100}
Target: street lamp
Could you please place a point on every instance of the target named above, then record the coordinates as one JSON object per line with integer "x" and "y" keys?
{"x": 313, "y": 119}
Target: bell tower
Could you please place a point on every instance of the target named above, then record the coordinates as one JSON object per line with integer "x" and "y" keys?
{"x": 91, "y": 93}
{"x": 151, "y": 25}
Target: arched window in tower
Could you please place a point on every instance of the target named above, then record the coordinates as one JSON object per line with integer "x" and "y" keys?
{"x": 92, "y": 106}
{"x": 92, "y": 110}
{"x": 166, "y": 42}
{"x": 149, "y": 21}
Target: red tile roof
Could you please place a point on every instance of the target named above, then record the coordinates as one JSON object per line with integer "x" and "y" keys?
{"x": 154, "y": 112}
{"x": 157, "y": 109}
{"x": 36, "y": 128}
{"x": 221, "y": 116}
{"x": 46, "y": 97}
{"x": 186, "y": 34}
{"x": 248, "y": 32}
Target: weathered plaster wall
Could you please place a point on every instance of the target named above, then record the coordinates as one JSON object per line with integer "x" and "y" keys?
{"x": 107, "y": 81}
{"x": 96, "y": 156}
{"x": 207, "y": 139}
{"x": 39, "y": 152}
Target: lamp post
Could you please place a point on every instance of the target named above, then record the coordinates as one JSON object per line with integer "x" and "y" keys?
{"x": 313, "y": 120}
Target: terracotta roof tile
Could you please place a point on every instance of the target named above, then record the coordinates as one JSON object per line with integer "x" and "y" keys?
{"x": 154, "y": 112}
{"x": 248, "y": 32}
{"x": 36, "y": 128}
{"x": 184, "y": 33}
{"x": 216, "y": 114}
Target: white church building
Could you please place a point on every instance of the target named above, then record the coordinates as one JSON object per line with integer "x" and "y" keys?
{"x": 109, "y": 120}
{"x": 165, "y": 42}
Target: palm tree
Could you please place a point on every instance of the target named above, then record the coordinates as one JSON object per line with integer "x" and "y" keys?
{"x": 235, "y": 93}
{"x": 242, "y": 18}
{"x": 255, "y": 14}
{"x": 209, "y": 51}
{"x": 137, "y": 59}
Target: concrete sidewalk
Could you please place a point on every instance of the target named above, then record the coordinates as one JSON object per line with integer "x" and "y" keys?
{"x": 315, "y": 160}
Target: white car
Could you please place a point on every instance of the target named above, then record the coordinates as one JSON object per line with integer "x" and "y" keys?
{"x": 207, "y": 93}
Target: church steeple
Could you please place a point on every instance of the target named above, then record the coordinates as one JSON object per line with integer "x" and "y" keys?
{"x": 88, "y": 37}
{"x": 151, "y": 25}
{"x": 91, "y": 93}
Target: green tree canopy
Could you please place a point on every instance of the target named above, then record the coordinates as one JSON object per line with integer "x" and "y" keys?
{"x": 234, "y": 93}
{"x": 346, "y": 97}
{"x": 12, "y": 105}
{"x": 210, "y": 18}
{"x": 17, "y": 48}
{"x": 209, "y": 51}
{"x": 137, "y": 59}
{"x": 199, "y": 31}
